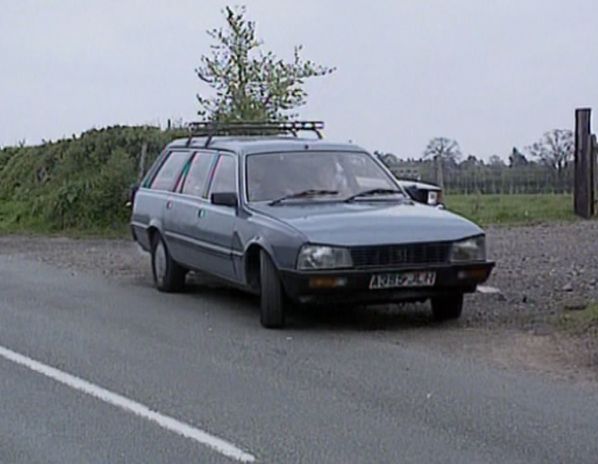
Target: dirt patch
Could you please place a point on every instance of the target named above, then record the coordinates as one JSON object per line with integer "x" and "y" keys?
{"x": 559, "y": 355}
{"x": 120, "y": 259}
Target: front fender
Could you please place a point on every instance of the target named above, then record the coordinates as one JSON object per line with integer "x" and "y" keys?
{"x": 280, "y": 240}
{"x": 262, "y": 243}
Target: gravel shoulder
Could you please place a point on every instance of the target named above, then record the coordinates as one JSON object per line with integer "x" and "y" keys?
{"x": 542, "y": 272}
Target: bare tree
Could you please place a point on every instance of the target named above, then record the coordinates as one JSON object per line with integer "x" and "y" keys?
{"x": 444, "y": 149}
{"x": 554, "y": 149}
{"x": 445, "y": 154}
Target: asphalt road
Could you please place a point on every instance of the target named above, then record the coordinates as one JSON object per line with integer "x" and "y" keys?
{"x": 80, "y": 357}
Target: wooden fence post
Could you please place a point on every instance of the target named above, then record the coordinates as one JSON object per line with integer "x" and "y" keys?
{"x": 141, "y": 167}
{"x": 594, "y": 171}
{"x": 583, "y": 191}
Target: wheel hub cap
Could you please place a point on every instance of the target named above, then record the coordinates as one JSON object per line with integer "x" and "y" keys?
{"x": 160, "y": 262}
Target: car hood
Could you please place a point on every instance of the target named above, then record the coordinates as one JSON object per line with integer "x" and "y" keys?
{"x": 371, "y": 223}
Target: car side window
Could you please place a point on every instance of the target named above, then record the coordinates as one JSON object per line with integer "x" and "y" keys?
{"x": 169, "y": 171}
{"x": 224, "y": 179}
{"x": 197, "y": 177}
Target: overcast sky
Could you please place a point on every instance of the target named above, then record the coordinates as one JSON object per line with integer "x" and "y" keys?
{"x": 492, "y": 74}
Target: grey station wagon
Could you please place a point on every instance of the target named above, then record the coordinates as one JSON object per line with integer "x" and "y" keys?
{"x": 299, "y": 220}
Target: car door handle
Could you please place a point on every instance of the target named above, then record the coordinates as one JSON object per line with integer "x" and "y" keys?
{"x": 200, "y": 213}
{"x": 168, "y": 204}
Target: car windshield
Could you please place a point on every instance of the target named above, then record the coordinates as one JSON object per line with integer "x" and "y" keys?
{"x": 322, "y": 175}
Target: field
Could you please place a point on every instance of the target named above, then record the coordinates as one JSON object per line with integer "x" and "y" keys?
{"x": 525, "y": 209}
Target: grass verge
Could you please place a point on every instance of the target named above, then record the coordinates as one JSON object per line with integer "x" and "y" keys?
{"x": 580, "y": 321}
{"x": 517, "y": 209}
{"x": 15, "y": 218}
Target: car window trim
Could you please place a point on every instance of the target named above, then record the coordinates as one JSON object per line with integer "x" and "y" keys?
{"x": 149, "y": 176}
{"x": 213, "y": 173}
{"x": 183, "y": 174}
{"x": 162, "y": 162}
{"x": 181, "y": 185}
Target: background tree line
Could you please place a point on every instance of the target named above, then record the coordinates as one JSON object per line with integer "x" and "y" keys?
{"x": 544, "y": 167}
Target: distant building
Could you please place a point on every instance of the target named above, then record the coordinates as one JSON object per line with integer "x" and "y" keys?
{"x": 402, "y": 169}
{"x": 406, "y": 170}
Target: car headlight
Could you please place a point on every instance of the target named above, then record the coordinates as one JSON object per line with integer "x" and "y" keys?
{"x": 313, "y": 257}
{"x": 472, "y": 249}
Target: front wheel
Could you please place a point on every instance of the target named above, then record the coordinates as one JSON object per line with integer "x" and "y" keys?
{"x": 447, "y": 307}
{"x": 169, "y": 276}
{"x": 272, "y": 312}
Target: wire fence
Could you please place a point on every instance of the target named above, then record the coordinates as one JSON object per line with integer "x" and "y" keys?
{"x": 532, "y": 178}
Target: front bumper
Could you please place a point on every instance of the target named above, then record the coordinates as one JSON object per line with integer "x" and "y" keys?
{"x": 450, "y": 278}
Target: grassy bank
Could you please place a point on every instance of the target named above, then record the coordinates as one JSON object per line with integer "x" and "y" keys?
{"x": 75, "y": 186}
{"x": 513, "y": 209}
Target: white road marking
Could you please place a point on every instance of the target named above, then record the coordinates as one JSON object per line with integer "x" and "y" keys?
{"x": 217, "y": 444}
{"x": 488, "y": 289}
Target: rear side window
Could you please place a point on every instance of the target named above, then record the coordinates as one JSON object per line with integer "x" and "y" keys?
{"x": 169, "y": 171}
{"x": 197, "y": 177}
{"x": 224, "y": 180}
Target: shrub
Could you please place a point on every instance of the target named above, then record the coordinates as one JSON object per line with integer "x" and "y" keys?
{"x": 80, "y": 183}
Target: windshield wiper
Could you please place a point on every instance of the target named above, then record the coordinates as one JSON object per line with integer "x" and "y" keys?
{"x": 372, "y": 192}
{"x": 303, "y": 194}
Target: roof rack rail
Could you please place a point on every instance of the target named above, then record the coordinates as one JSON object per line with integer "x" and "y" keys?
{"x": 210, "y": 129}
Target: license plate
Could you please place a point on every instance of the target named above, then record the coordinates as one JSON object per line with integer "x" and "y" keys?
{"x": 402, "y": 280}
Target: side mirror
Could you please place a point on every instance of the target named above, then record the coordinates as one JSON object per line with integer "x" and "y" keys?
{"x": 225, "y": 199}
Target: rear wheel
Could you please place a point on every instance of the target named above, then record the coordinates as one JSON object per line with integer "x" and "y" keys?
{"x": 169, "y": 276}
{"x": 447, "y": 307}
{"x": 272, "y": 312}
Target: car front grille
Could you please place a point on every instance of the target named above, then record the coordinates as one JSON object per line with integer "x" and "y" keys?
{"x": 400, "y": 255}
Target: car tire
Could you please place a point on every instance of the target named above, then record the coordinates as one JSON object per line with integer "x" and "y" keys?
{"x": 169, "y": 276}
{"x": 272, "y": 311}
{"x": 448, "y": 307}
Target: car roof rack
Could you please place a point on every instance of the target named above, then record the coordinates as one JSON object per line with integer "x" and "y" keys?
{"x": 210, "y": 129}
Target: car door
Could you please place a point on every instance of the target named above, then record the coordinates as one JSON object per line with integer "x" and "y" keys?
{"x": 156, "y": 198}
{"x": 188, "y": 210}
{"x": 216, "y": 225}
